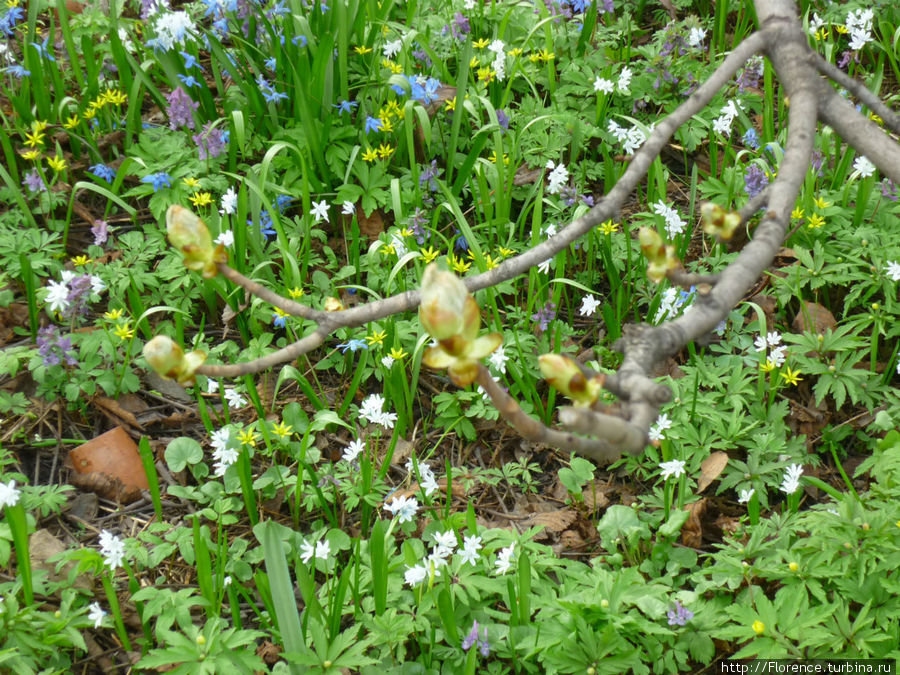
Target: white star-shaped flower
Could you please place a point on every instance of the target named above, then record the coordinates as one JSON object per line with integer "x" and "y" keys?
{"x": 603, "y": 86}
{"x": 320, "y": 211}
{"x": 672, "y": 469}
{"x": 589, "y": 305}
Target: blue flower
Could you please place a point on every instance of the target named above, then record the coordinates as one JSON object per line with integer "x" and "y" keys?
{"x": 190, "y": 61}
{"x": 345, "y": 106}
{"x": 283, "y": 202}
{"x": 42, "y": 49}
{"x": 373, "y": 124}
{"x": 265, "y": 223}
{"x": 751, "y": 139}
{"x": 158, "y": 180}
{"x": 270, "y": 63}
{"x": 9, "y": 20}
{"x": 299, "y": 38}
{"x": 17, "y": 71}
{"x": 188, "y": 80}
{"x": 268, "y": 91}
{"x": 102, "y": 171}
{"x": 279, "y": 320}
{"x": 353, "y": 346}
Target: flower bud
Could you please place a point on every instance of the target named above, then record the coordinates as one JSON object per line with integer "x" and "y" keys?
{"x": 170, "y": 362}
{"x": 759, "y": 627}
{"x": 189, "y": 234}
{"x": 564, "y": 374}
{"x": 443, "y": 310}
{"x": 660, "y": 258}
{"x": 333, "y": 305}
{"x": 717, "y": 221}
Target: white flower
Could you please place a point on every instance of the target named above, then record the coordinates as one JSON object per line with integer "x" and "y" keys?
{"x": 220, "y": 439}
{"x": 320, "y": 550}
{"x": 656, "y": 431}
{"x": 404, "y": 508}
{"x": 226, "y": 238}
{"x": 445, "y": 541}
{"x": 603, "y": 86}
{"x": 496, "y": 46}
{"x": 97, "y": 285}
{"x": 589, "y": 305}
{"x": 415, "y": 575}
{"x": 399, "y": 245}
{"x": 470, "y": 549}
{"x": 57, "y": 296}
{"x": 760, "y": 343}
{"x": 696, "y": 37}
{"x": 745, "y": 495}
{"x": 9, "y": 495}
{"x": 864, "y": 166}
{"x": 791, "y": 480}
{"x": 172, "y": 28}
{"x": 674, "y": 468}
{"x": 226, "y": 582}
{"x": 893, "y": 270}
{"x": 776, "y": 356}
{"x": 859, "y": 25}
{"x": 229, "y": 202}
{"x": 504, "y": 559}
{"x": 212, "y": 386}
{"x": 559, "y": 176}
{"x": 773, "y": 338}
{"x": 353, "y": 451}
{"x": 320, "y": 211}
{"x": 468, "y": 5}
{"x": 348, "y": 209}
{"x": 391, "y": 49}
{"x": 544, "y": 267}
{"x": 428, "y": 482}
{"x": 727, "y": 114}
{"x": 235, "y": 400}
{"x": 224, "y": 457}
{"x": 624, "y": 80}
{"x": 620, "y": 132}
{"x": 634, "y": 139}
{"x": 674, "y": 223}
{"x": 96, "y": 614}
{"x": 498, "y": 360}
{"x": 371, "y": 407}
{"x": 112, "y": 549}
{"x": 387, "y": 361}
{"x": 815, "y": 24}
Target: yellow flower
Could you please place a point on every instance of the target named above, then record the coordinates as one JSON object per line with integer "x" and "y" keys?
{"x": 388, "y": 249}
{"x": 370, "y": 155}
{"x": 385, "y": 151}
{"x": 840, "y": 28}
{"x": 117, "y": 96}
{"x": 124, "y": 331}
{"x": 489, "y": 262}
{"x": 282, "y": 430}
{"x": 406, "y": 232}
{"x": 791, "y": 376}
{"x": 376, "y": 338}
{"x": 362, "y": 50}
{"x": 474, "y": 62}
{"x": 395, "y": 68}
{"x": 393, "y": 109}
{"x": 450, "y": 104}
{"x": 875, "y": 118}
{"x": 821, "y": 203}
{"x": 32, "y": 140}
{"x": 815, "y": 221}
{"x": 31, "y": 155}
{"x": 758, "y": 627}
{"x": 191, "y": 183}
{"x": 493, "y": 158}
{"x": 201, "y": 199}
{"x": 481, "y": 44}
{"x": 546, "y": 56}
{"x": 768, "y": 366}
{"x": 458, "y": 265}
{"x": 89, "y": 114}
{"x": 295, "y": 292}
{"x": 38, "y": 126}
{"x": 386, "y": 125}
{"x": 113, "y": 315}
{"x": 279, "y": 314}
{"x": 515, "y": 51}
{"x": 80, "y": 260}
{"x": 57, "y": 163}
{"x": 797, "y": 213}
{"x": 505, "y": 252}
{"x": 71, "y": 122}
{"x": 821, "y": 34}
{"x": 429, "y": 254}
{"x": 486, "y": 74}
{"x": 609, "y": 227}
{"x": 793, "y": 566}
{"x": 397, "y": 353}
{"x": 248, "y": 437}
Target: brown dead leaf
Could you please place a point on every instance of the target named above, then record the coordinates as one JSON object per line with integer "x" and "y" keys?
{"x": 710, "y": 469}
{"x": 116, "y": 412}
{"x": 524, "y": 175}
{"x": 553, "y": 521}
{"x": 268, "y": 652}
{"x": 813, "y": 318}
{"x": 727, "y": 524}
{"x": 594, "y": 500}
{"x": 370, "y": 226}
{"x": 692, "y": 530}
{"x": 42, "y": 546}
{"x": 570, "y": 540}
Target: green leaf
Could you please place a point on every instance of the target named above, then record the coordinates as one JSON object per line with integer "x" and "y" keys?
{"x": 181, "y": 452}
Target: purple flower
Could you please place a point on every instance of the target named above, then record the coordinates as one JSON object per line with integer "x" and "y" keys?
{"x": 680, "y": 615}
{"x": 502, "y": 119}
{"x": 889, "y": 189}
{"x": 79, "y": 293}
{"x": 749, "y": 76}
{"x": 755, "y": 180}
{"x": 816, "y": 161}
{"x": 211, "y": 141}
{"x": 54, "y": 349}
{"x": 471, "y": 638}
{"x": 545, "y": 315}
{"x": 431, "y": 173}
{"x": 100, "y": 230}
{"x": 181, "y": 109}
{"x": 608, "y": 6}
{"x": 33, "y": 181}
{"x": 460, "y": 25}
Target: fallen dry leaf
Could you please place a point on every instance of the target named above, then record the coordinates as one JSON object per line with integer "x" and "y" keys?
{"x": 116, "y": 412}
{"x": 711, "y": 468}
{"x": 813, "y": 318}
{"x": 692, "y": 530}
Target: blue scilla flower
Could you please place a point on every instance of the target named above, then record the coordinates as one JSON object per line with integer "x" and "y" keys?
{"x": 345, "y": 106}
{"x": 17, "y": 71}
{"x": 265, "y": 223}
{"x": 271, "y": 63}
{"x": 42, "y": 49}
{"x": 373, "y": 124}
{"x": 9, "y": 19}
{"x": 751, "y": 139}
{"x": 105, "y": 172}
{"x": 283, "y": 202}
{"x": 353, "y": 346}
{"x": 299, "y": 38}
{"x": 158, "y": 180}
{"x": 190, "y": 61}
{"x": 188, "y": 80}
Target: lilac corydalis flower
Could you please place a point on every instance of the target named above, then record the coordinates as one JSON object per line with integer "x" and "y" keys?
{"x": 472, "y": 638}
{"x": 211, "y": 141}
{"x": 54, "y": 349}
{"x": 34, "y": 182}
{"x": 680, "y": 615}
{"x": 181, "y": 109}
{"x": 100, "y": 230}
{"x": 755, "y": 180}
{"x": 545, "y": 315}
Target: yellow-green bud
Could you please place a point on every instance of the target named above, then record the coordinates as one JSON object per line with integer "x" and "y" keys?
{"x": 718, "y": 222}
{"x": 443, "y": 308}
{"x": 190, "y": 235}
{"x": 660, "y": 258}
{"x": 170, "y": 362}
{"x": 564, "y": 374}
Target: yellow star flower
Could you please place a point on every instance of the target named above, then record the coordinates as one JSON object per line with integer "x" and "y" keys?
{"x": 474, "y": 62}
{"x": 31, "y": 155}
{"x": 815, "y": 221}
{"x": 397, "y": 353}
{"x": 201, "y": 199}
{"x": 81, "y": 260}
{"x": 609, "y": 227}
{"x": 515, "y": 51}
{"x": 797, "y": 213}
{"x": 406, "y": 232}
{"x": 71, "y": 122}
{"x": 57, "y": 163}
{"x": 393, "y": 109}
{"x": 38, "y": 126}
{"x": 458, "y": 265}
{"x": 388, "y": 249}
{"x": 362, "y": 50}
{"x": 191, "y": 183}
{"x": 450, "y": 104}
{"x": 489, "y": 262}
{"x": 386, "y": 125}
{"x": 89, "y": 114}
{"x": 486, "y": 74}
{"x": 32, "y": 140}
{"x": 124, "y": 331}
{"x": 429, "y": 254}
{"x": 248, "y": 437}
{"x": 370, "y": 155}
{"x": 295, "y": 292}
{"x": 791, "y": 377}
{"x": 376, "y": 338}
{"x": 385, "y": 151}
{"x": 113, "y": 315}
{"x": 821, "y": 203}
{"x": 282, "y": 430}
{"x": 481, "y": 44}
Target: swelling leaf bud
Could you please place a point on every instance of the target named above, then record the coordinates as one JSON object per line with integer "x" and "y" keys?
{"x": 717, "y": 222}
{"x": 170, "y": 362}
{"x": 443, "y": 311}
{"x": 660, "y": 258}
{"x": 564, "y": 374}
{"x": 189, "y": 234}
